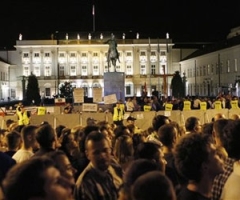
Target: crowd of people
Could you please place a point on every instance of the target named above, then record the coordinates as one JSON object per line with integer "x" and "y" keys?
{"x": 154, "y": 103}
{"x": 103, "y": 161}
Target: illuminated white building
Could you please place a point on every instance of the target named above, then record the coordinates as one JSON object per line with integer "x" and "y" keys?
{"x": 81, "y": 60}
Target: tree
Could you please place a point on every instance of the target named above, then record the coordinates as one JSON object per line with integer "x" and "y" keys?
{"x": 177, "y": 85}
{"x": 66, "y": 90}
{"x": 32, "y": 93}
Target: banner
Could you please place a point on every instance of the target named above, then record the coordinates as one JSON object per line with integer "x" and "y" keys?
{"x": 97, "y": 95}
{"x": 110, "y": 99}
{"x": 78, "y": 95}
{"x": 89, "y": 107}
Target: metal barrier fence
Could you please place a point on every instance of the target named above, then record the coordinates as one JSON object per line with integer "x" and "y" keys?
{"x": 144, "y": 119}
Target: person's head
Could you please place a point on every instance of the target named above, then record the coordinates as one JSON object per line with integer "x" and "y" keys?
{"x": 59, "y": 129}
{"x": 195, "y": 157}
{"x": 123, "y": 149}
{"x": 68, "y": 143}
{"x": 28, "y": 136}
{"x": 88, "y": 129}
{"x": 218, "y": 127}
{"x": 98, "y": 150}
{"x": 45, "y": 136}
{"x": 62, "y": 163}
{"x": 13, "y": 140}
{"x": 134, "y": 170}
{"x": 131, "y": 120}
{"x": 153, "y": 185}
{"x": 8, "y": 123}
{"x": 36, "y": 178}
{"x": 159, "y": 120}
{"x": 167, "y": 134}
{"x": 218, "y": 116}
{"x": 231, "y": 139}
{"x": 234, "y": 116}
{"x": 193, "y": 124}
{"x": 153, "y": 152}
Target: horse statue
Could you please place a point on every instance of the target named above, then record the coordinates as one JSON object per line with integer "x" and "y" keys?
{"x": 113, "y": 54}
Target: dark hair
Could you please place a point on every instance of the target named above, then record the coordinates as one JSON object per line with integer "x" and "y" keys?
{"x": 136, "y": 169}
{"x": 88, "y": 129}
{"x": 27, "y": 130}
{"x": 95, "y": 136}
{"x": 13, "y": 139}
{"x": 190, "y": 123}
{"x": 147, "y": 150}
{"x": 152, "y": 185}
{"x": 190, "y": 152}
{"x": 231, "y": 138}
{"x": 59, "y": 129}
{"x": 45, "y": 135}
{"x": 26, "y": 179}
{"x": 166, "y": 134}
{"x": 158, "y": 121}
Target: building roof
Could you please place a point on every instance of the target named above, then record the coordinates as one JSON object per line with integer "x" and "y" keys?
{"x": 212, "y": 47}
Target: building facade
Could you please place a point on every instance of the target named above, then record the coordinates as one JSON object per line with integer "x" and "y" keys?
{"x": 215, "y": 68}
{"x": 147, "y": 63}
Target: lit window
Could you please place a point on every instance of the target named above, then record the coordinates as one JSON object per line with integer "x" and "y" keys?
{"x": 73, "y": 71}
{"x": 143, "y": 70}
{"x": 95, "y": 70}
{"x": 47, "y": 71}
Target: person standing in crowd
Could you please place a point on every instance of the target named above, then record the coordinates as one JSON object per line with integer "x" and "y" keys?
{"x": 14, "y": 142}
{"x": 157, "y": 122}
{"x": 46, "y": 138}
{"x": 129, "y": 105}
{"x": 153, "y": 185}
{"x": 28, "y": 144}
{"x": 23, "y": 115}
{"x": 225, "y": 185}
{"x": 193, "y": 125}
{"x": 118, "y": 114}
{"x": 101, "y": 179}
{"x": 196, "y": 159}
{"x": 36, "y": 178}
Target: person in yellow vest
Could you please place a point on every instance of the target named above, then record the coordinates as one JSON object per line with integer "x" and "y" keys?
{"x": 187, "y": 104}
{"x": 41, "y": 110}
{"x": 118, "y": 114}
{"x": 23, "y": 115}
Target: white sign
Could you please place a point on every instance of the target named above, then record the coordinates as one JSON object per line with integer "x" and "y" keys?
{"x": 110, "y": 99}
{"x": 89, "y": 107}
{"x": 97, "y": 95}
{"x": 78, "y": 95}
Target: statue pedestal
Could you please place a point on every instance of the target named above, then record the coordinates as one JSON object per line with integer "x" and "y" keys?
{"x": 114, "y": 83}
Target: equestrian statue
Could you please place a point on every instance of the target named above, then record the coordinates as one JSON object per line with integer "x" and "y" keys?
{"x": 113, "y": 54}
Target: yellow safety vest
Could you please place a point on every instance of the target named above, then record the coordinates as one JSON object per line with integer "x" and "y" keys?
{"x": 168, "y": 106}
{"x": 23, "y": 118}
{"x": 217, "y": 105}
{"x": 147, "y": 108}
{"x": 118, "y": 115}
{"x": 234, "y": 104}
{"x": 41, "y": 110}
{"x": 203, "y": 105}
{"x": 187, "y": 105}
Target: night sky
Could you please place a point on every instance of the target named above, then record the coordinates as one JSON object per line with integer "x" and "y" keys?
{"x": 185, "y": 21}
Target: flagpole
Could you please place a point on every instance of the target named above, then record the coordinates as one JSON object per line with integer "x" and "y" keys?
{"x": 158, "y": 60}
{"x": 93, "y": 13}
{"x": 150, "y": 84}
